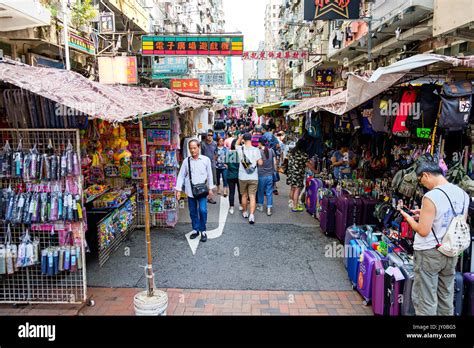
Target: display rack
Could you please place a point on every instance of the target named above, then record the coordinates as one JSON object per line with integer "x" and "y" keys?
{"x": 28, "y": 284}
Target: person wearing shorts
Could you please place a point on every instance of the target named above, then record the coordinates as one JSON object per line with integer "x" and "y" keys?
{"x": 248, "y": 178}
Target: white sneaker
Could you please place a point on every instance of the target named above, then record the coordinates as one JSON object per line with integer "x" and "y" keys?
{"x": 269, "y": 211}
{"x": 251, "y": 219}
{"x": 231, "y": 211}
{"x": 245, "y": 215}
{"x": 260, "y": 208}
{"x": 241, "y": 208}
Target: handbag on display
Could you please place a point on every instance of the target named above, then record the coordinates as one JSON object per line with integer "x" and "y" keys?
{"x": 198, "y": 190}
{"x": 456, "y": 105}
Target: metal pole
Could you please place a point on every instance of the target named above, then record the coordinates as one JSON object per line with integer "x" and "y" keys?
{"x": 66, "y": 34}
{"x": 149, "y": 269}
{"x": 369, "y": 43}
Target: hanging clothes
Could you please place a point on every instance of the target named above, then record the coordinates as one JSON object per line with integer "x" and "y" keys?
{"x": 404, "y": 111}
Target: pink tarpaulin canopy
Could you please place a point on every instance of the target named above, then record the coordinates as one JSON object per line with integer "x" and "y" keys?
{"x": 111, "y": 103}
{"x": 362, "y": 89}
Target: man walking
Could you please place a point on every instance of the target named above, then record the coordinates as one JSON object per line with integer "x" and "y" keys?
{"x": 249, "y": 158}
{"x": 433, "y": 287}
{"x": 198, "y": 169}
{"x": 209, "y": 149}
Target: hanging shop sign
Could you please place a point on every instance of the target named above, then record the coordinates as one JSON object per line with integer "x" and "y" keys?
{"x": 324, "y": 78}
{"x": 168, "y": 67}
{"x": 331, "y": 9}
{"x": 229, "y": 45}
{"x": 185, "y": 85}
{"x": 212, "y": 78}
{"x": 266, "y": 55}
{"x": 45, "y": 62}
{"x": 81, "y": 44}
{"x": 262, "y": 83}
{"x": 107, "y": 23}
{"x": 122, "y": 70}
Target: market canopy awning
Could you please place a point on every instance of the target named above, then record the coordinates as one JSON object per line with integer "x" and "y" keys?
{"x": 111, "y": 103}
{"x": 362, "y": 89}
{"x": 267, "y": 108}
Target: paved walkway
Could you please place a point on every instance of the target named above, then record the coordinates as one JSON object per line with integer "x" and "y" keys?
{"x": 119, "y": 301}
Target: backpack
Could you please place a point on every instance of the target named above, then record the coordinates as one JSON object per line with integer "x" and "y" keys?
{"x": 405, "y": 181}
{"x": 404, "y": 112}
{"x": 457, "y": 237}
{"x": 456, "y": 105}
{"x": 428, "y": 100}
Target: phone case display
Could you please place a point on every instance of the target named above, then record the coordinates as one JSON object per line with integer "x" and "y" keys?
{"x": 112, "y": 229}
{"x": 42, "y": 217}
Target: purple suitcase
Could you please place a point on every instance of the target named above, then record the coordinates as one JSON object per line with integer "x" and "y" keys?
{"x": 352, "y": 232}
{"x": 322, "y": 192}
{"x": 469, "y": 294}
{"x": 327, "y": 218}
{"x": 387, "y": 289}
{"x": 366, "y": 271}
{"x": 312, "y": 195}
{"x": 368, "y": 209}
{"x": 347, "y": 214}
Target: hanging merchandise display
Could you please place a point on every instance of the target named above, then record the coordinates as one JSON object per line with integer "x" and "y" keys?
{"x": 42, "y": 211}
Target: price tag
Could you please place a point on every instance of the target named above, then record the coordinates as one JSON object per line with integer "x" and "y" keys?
{"x": 423, "y": 133}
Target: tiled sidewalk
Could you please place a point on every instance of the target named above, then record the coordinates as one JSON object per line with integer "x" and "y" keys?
{"x": 211, "y": 302}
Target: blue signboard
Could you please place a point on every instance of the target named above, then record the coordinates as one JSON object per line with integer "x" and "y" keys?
{"x": 170, "y": 67}
{"x": 262, "y": 83}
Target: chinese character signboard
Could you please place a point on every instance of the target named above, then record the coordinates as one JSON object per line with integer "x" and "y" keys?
{"x": 168, "y": 67}
{"x": 331, "y": 9}
{"x": 192, "y": 45}
{"x": 265, "y": 55}
{"x": 212, "y": 78}
{"x": 79, "y": 43}
{"x": 121, "y": 70}
{"x": 185, "y": 85}
{"x": 324, "y": 78}
{"x": 262, "y": 83}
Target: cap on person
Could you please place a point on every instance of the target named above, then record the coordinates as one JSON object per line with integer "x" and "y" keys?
{"x": 247, "y": 136}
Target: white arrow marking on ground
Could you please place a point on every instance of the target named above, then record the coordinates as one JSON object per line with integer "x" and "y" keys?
{"x": 215, "y": 233}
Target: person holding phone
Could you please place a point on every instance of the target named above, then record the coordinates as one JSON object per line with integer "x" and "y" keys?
{"x": 342, "y": 162}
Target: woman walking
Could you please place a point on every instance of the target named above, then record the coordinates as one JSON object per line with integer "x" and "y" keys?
{"x": 265, "y": 177}
{"x": 297, "y": 162}
{"x": 232, "y": 162}
{"x": 221, "y": 167}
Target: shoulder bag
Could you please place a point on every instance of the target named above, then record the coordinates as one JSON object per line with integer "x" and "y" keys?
{"x": 198, "y": 190}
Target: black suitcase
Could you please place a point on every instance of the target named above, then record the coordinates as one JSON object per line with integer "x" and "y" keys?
{"x": 458, "y": 293}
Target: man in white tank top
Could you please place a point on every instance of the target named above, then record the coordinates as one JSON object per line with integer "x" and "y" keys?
{"x": 433, "y": 287}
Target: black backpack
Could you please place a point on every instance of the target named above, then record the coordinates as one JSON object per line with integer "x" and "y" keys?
{"x": 428, "y": 99}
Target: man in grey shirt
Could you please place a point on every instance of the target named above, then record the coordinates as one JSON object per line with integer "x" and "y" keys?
{"x": 209, "y": 149}
{"x": 433, "y": 286}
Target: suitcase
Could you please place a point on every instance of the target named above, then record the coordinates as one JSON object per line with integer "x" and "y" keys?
{"x": 469, "y": 294}
{"x": 312, "y": 195}
{"x": 366, "y": 271}
{"x": 354, "y": 232}
{"x": 348, "y": 213}
{"x": 458, "y": 293}
{"x": 407, "y": 303}
{"x": 387, "y": 288}
{"x": 356, "y": 248}
{"x": 328, "y": 215}
{"x": 322, "y": 192}
{"x": 368, "y": 209}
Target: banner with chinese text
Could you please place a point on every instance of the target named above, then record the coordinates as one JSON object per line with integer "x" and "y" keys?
{"x": 229, "y": 45}
{"x": 185, "y": 85}
{"x": 262, "y": 83}
{"x": 265, "y": 55}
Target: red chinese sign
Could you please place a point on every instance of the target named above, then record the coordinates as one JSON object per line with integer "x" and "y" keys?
{"x": 185, "y": 85}
{"x": 264, "y": 55}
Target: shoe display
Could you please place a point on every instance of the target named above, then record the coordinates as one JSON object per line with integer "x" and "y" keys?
{"x": 231, "y": 211}
{"x": 269, "y": 211}
{"x": 194, "y": 235}
{"x": 203, "y": 237}
{"x": 251, "y": 219}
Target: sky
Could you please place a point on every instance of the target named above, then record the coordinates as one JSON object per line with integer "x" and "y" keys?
{"x": 247, "y": 16}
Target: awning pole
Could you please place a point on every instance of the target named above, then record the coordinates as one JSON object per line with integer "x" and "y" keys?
{"x": 149, "y": 270}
